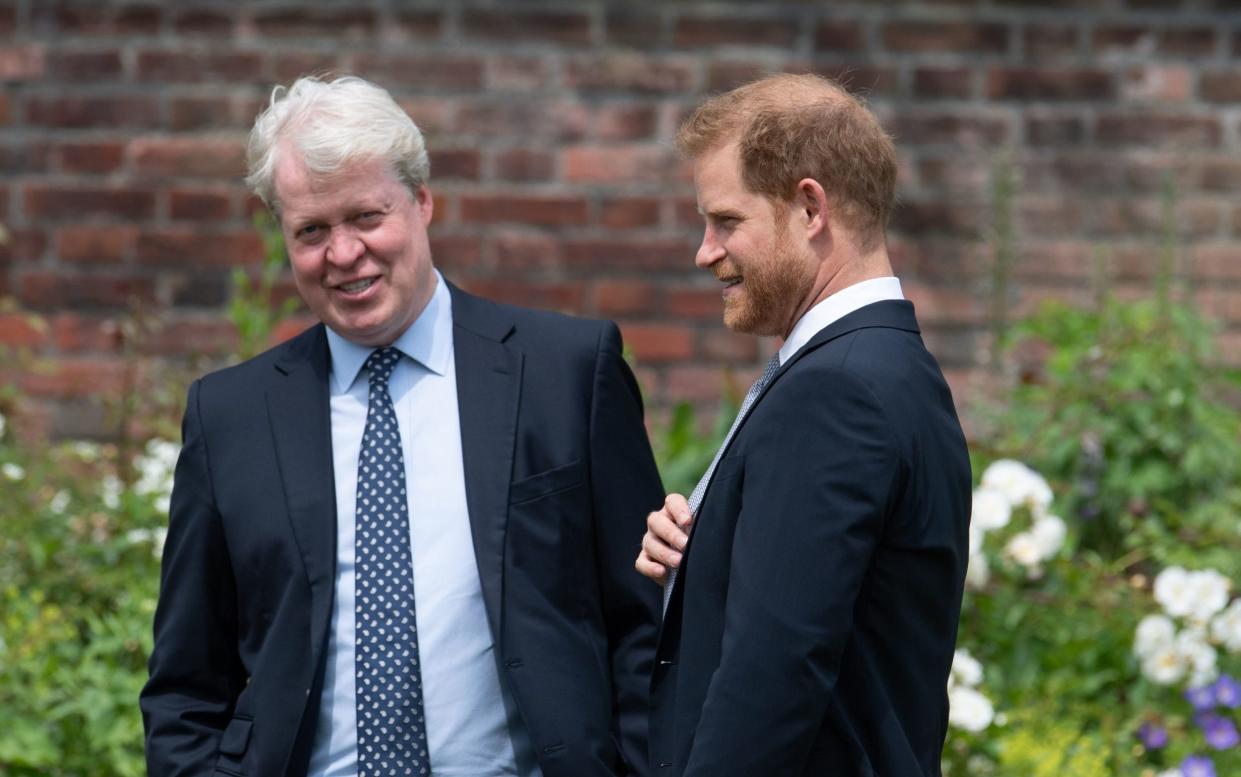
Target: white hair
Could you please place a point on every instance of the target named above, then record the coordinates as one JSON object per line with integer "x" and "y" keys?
{"x": 332, "y": 124}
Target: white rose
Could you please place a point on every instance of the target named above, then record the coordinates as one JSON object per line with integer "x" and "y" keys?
{"x": 110, "y": 491}
{"x": 1022, "y": 485}
{"x": 1164, "y": 665}
{"x": 991, "y": 509}
{"x": 1209, "y": 592}
{"x": 59, "y": 502}
{"x": 1174, "y": 592}
{"x": 13, "y": 471}
{"x": 966, "y": 670}
{"x": 1197, "y": 655}
{"x": 1154, "y": 631}
{"x": 1024, "y": 549}
{"x": 968, "y": 709}
{"x": 1049, "y": 532}
{"x": 1225, "y": 627}
{"x": 977, "y": 573}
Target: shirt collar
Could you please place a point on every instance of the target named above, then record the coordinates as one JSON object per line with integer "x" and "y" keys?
{"x": 836, "y": 307}
{"x": 427, "y": 341}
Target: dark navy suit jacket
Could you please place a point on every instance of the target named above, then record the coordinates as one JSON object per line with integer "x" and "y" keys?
{"x": 559, "y": 480}
{"x": 812, "y": 626}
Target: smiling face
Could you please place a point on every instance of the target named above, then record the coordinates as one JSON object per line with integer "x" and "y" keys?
{"x": 357, "y": 241}
{"x": 748, "y": 244}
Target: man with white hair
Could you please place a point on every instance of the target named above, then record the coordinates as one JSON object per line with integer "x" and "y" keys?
{"x": 399, "y": 543}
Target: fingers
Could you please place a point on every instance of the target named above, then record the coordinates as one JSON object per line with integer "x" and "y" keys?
{"x": 651, "y": 569}
{"x": 666, "y": 535}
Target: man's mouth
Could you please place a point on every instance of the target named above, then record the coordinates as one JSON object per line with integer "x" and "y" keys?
{"x": 353, "y": 287}
{"x": 730, "y": 281}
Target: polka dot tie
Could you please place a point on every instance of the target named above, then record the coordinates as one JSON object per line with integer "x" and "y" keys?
{"x": 392, "y": 733}
{"x": 700, "y": 490}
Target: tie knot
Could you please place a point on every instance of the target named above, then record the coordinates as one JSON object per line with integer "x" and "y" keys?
{"x": 380, "y": 363}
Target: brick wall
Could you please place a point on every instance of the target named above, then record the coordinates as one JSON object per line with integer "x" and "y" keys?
{"x": 122, "y": 127}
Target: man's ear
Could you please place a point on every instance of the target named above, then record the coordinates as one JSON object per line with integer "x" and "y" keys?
{"x": 810, "y": 203}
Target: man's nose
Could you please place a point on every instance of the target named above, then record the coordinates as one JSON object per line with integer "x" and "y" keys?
{"x": 344, "y": 247}
{"x": 709, "y": 252}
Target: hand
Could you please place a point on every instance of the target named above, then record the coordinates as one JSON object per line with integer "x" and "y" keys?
{"x": 667, "y": 531}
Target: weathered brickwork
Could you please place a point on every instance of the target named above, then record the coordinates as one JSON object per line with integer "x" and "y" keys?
{"x": 122, "y": 128}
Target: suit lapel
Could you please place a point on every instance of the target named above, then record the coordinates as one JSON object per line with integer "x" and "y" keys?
{"x": 297, "y": 404}
{"x": 488, "y": 390}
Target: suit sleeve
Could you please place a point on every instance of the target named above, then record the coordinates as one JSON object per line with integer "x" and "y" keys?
{"x": 195, "y": 672}
{"x": 820, "y": 466}
{"x": 625, "y": 486}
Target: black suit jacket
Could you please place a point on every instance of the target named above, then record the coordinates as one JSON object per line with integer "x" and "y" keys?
{"x": 812, "y": 626}
{"x": 559, "y": 479}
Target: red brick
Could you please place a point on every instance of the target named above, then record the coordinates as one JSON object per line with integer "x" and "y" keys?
{"x": 966, "y": 128}
{"x": 61, "y": 290}
{"x": 657, "y": 343}
{"x": 634, "y": 27}
{"x": 1222, "y": 303}
{"x": 309, "y": 22}
{"x": 526, "y": 251}
{"x": 200, "y": 204}
{"x": 460, "y": 163}
{"x": 208, "y": 22}
{"x": 290, "y": 327}
{"x": 622, "y": 297}
{"x": 454, "y": 251}
{"x": 1130, "y": 217}
{"x": 729, "y": 347}
{"x": 616, "y": 164}
{"x": 96, "y": 244}
{"x": 22, "y": 63}
{"x": 1043, "y": 42}
{"x": 703, "y": 303}
{"x": 8, "y": 20}
{"x": 1188, "y": 42}
{"x": 685, "y": 213}
{"x": 88, "y": 17}
{"x": 544, "y": 211}
{"x": 286, "y": 66}
{"x": 630, "y": 72}
{"x": 179, "y": 66}
{"x": 938, "y": 216}
{"x": 1230, "y": 348}
{"x": 1157, "y": 83}
{"x": 1055, "y": 130}
{"x": 729, "y": 74}
{"x": 488, "y": 118}
{"x": 629, "y": 212}
{"x": 564, "y": 297}
{"x": 1221, "y": 175}
{"x": 418, "y": 24}
{"x": 188, "y": 157}
{"x": 6, "y": 112}
{"x": 947, "y": 36}
{"x": 427, "y": 71}
{"x": 937, "y": 305}
{"x": 704, "y": 31}
{"x": 1055, "y": 258}
{"x": 938, "y": 82}
{"x": 1171, "y": 130}
{"x": 549, "y": 26}
{"x": 24, "y": 246}
{"x": 77, "y": 377}
{"x": 625, "y": 122}
{"x": 1123, "y": 39}
{"x": 42, "y": 201}
{"x": 22, "y": 330}
{"x": 88, "y": 157}
{"x": 517, "y": 73}
{"x": 836, "y": 35}
{"x": 81, "y": 66}
{"x": 74, "y": 333}
{"x": 630, "y": 253}
{"x": 523, "y": 164}
{"x": 198, "y": 248}
{"x": 1049, "y": 216}
{"x": 113, "y": 111}
{"x": 1220, "y": 86}
{"x": 1092, "y": 172}
{"x": 195, "y": 113}
{"x": 1050, "y": 84}
{"x": 193, "y": 336}
{"x": 862, "y": 81}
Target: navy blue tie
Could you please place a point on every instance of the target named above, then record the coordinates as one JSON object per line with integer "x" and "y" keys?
{"x": 392, "y": 731}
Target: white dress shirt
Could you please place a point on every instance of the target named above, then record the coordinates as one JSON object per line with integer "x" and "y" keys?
{"x": 836, "y": 307}
{"x": 473, "y": 729}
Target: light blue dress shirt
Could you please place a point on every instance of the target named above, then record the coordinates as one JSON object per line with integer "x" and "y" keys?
{"x": 473, "y": 729}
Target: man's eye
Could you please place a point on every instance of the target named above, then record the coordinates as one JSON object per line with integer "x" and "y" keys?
{"x": 310, "y": 232}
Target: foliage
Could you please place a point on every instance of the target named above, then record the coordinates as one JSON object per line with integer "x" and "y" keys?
{"x": 682, "y": 452}
{"x": 254, "y": 310}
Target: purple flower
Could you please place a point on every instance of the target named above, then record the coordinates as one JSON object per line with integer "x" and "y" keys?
{"x": 1153, "y": 735}
{"x": 1201, "y": 698}
{"x": 1197, "y": 766}
{"x": 1220, "y": 733}
{"x": 1227, "y": 692}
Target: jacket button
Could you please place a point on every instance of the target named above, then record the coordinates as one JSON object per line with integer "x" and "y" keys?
{"x": 666, "y": 662}
{"x": 664, "y": 764}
